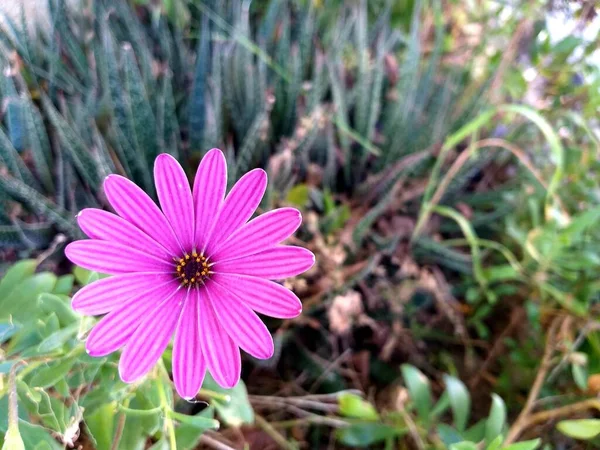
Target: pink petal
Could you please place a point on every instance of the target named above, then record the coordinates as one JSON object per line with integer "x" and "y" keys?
{"x": 263, "y": 296}
{"x": 260, "y": 234}
{"x": 112, "y": 258}
{"x": 276, "y": 263}
{"x": 221, "y": 354}
{"x": 98, "y": 224}
{"x": 209, "y": 189}
{"x": 240, "y": 322}
{"x": 107, "y": 294}
{"x": 175, "y": 196}
{"x": 238, "y": 207}
{"x": 188, "y": 363}
{"x": 151, "y": 338}
{"x": 114, "y": 330}
{"x": 134, "y": 205}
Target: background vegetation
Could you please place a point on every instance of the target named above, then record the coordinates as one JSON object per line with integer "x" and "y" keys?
{"x": 444, "y": 155}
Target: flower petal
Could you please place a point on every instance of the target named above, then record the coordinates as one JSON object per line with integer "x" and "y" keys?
{"x": 99, "y": 224}
{"x": 115, "y": 329}
{"x": 175, "y": 196}
{"x": 241, "y": 323}
{"x": 221, "y": 354}
{"x": 263, "y": 296}
{"x": 134, "y": 205}
{"x": 112, "y": 258}
{"x": 189, "y": 367}
{"x": 276, "y": 263}
{"x": 210, "y": 185}
{"x": 150, "y": 339}
{"x": 238, "y": 207}
{"x": 104, "y": 295}
{"x": 260, "y": 234}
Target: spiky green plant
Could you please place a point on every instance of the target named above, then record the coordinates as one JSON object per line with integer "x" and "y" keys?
{"x": 108, "y": 88}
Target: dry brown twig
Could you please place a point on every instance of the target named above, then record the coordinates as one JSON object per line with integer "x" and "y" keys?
{"x": 563, "y": 411}
{"x": 413, "y": 431}
{"x": 524, "y": 418}
{"x": 211, "y": 442}
{"x": 445, "y": 301}
{"x": 523, "y": 29}
{"x": 463, "y": 157}
{"x": 269, "y": 429}
{"x": 518, "y": 314}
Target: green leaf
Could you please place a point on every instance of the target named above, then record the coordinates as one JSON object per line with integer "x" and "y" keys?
{"x": 81, "y": 275}
{"x": 141, "y": 116}
{"x": 50, "y": 303}
{"x": 52, "y": 373}
{"x": 496, "y": 443}
{"x": 475, "y": 433}
{"x": 15, "y": 274}
{"x": 554, "y": 143}
{"x": 419, "y": 389}
{"x": 366, "y": 434}
{"x": 579, "y": 369}
{"x": 298, "y": 195}
{"x": 134, "y": 436}
{"x": 460, "y": 401}
{"x": 496, "y": 420}
{"x": 449, "y": 435}
{"x": 12, "y": 160}
{"x": 198, "y": 421}
{"x": 352, "y": 405}
{"x": 580, "y": 429}
{"x": 64, "y": 285}
{"x": 39, "y": 145}
{"x": 14, "y": 117}
{"x": 22, "y": 303}
{"x": 38, "y": 203}
{"x": 58, "y": 338}
{"x": 143, "y": 420}
{"x": 42, "y": 446}
{"x": 73, "y": 144}
{"x": 466, "y": 445}
{"x": 469, "y": 232}
{"x": 187, "y": 436}
{"x": 525, "y": 445}
{"x": 85, "y": 277}
{"x": 7, "y": 330}
{"x": 100, "y": 424}
{"x": 22, "y": 235}
{"x": 34, "y": 435}
{"x": 440, "y": 407}
{"x": 122, "y": 112}
{"x": 238, "y": 410}
{"x": 197, "y": 103}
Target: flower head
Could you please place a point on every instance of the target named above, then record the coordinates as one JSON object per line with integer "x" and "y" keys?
{"x": 197, "y": 270}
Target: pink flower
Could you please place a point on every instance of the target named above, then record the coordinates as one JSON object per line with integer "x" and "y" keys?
{"x": 196, "y": 269}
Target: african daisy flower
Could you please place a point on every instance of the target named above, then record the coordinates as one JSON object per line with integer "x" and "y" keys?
{"x": 197, "y": 270}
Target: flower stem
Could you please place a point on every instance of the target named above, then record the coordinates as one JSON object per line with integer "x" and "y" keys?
{"x": 166, "y": 407}
{"x": 216, "y": 395}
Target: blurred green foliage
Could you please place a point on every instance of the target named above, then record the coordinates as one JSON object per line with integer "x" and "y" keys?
{"x": 110, "y": 89}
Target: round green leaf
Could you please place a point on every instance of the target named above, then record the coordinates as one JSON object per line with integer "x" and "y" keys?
{"x": 352, "y": 405}
{"x": 460, "y": 401}
{"x": 496, "y": 420}
{"x": 419, "y": 390}
{"x": 580, "y": 429}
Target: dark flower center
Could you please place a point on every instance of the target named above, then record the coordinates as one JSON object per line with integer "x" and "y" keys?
{"x": 192, "y": 269}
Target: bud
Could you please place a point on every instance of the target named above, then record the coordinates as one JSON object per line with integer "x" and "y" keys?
{"x": 12, "y": 438}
